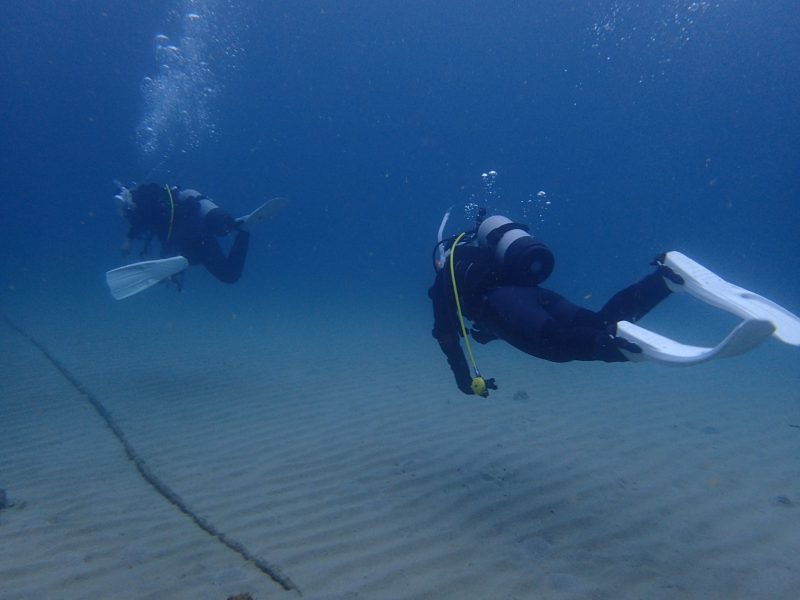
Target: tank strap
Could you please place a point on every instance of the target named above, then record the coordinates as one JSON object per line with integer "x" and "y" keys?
{"x": 498, "y": 232}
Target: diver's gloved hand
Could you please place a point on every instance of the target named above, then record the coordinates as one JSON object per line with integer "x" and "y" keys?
{"x": 482, "y": 336}
{"x": 481, "y": 386}
{"x": 665, "y": 271}
{"x": 465, "y": 388}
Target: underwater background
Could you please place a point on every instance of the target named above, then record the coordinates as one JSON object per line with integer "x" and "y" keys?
{"x": 648, "y": 126}
{"x": 170, "y": 445}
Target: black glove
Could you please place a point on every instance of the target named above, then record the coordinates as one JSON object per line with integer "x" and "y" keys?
{"x": 481, "y": 386}
{"x": 482, "y": 336}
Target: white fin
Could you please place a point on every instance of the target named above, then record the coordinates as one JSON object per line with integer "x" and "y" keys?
{"x": 712, "y": 289}
{"x": 266, "y": 210}
{"x": 746, "y": 336}
{"x": 132, "y": 279}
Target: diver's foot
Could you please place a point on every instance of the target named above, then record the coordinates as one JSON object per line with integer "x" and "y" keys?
{"x": 609, "y": 347}
{"x": 665, "y": 271}
{"x": 623, "y": 344}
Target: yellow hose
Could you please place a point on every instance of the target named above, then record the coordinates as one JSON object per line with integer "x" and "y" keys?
{"x": 458, "y": 304}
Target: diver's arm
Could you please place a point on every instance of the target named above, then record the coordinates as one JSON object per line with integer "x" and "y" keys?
{"x": 458, "y": 364}
{"x": 446, "y": 332}
{"x": 137, "y": 229}
{"x": 134, "y": 232}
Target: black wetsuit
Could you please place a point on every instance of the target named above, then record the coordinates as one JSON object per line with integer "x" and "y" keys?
{"x": 531, "y": 318}
{"x": 184, "y": 227}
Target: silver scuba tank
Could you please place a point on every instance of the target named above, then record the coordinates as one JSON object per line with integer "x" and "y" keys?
{"x": 517, "y": 252}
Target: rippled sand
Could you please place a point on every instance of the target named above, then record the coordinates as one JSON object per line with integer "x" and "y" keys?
{"x": 339, "y": 452}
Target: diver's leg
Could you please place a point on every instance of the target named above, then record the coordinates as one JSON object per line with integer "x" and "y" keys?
{"x": 238, "y": 254}
{"x": 218, "y": 222}
{"x": 227, "y": 269}
{"x": 544, "y": 324}
{"x": 635, "y": 301}
{"x": 515, "y": 315}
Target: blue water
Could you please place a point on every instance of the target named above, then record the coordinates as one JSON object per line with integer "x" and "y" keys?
{"x": 617, "y": 130}
{"x": 648, "y": 126}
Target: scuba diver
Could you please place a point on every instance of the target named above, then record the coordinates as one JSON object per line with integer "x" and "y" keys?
{"x": 186, "y": 224}
{"x": 492, "y": 275}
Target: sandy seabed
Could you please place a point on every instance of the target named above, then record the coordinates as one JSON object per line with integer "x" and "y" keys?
{"x": 333, "y": 447}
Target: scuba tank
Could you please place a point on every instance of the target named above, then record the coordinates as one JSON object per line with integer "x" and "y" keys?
{"x": 515, "y": 251}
